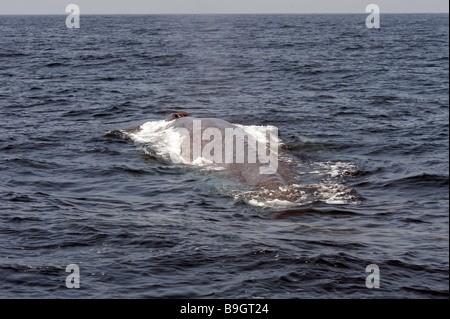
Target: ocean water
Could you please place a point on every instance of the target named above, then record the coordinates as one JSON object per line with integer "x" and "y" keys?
{"x": 362, "y": 113}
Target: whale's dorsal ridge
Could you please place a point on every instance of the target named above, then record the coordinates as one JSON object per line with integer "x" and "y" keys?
{"x": 174, "y": 116}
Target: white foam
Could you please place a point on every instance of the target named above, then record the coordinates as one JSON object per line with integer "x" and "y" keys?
{"x": 335, "y": 169}
{"x": 270, "y": 203}
{"x": 295, "y": 195}
{"x": 164, "y": 141}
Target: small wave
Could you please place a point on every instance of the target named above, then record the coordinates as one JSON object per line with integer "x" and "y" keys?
{"x": 166, "y": 56}
{"x": 420, "y": 181}
{"x": 12, "y": 55}
{"x": 22, "y": 198}
{"x": 332, "y": 211}
{"x": 107, "y": 78}
{"x": 124, "y": 169}
{"x": 17, "y": 219}
{"x": 54, "y": 64}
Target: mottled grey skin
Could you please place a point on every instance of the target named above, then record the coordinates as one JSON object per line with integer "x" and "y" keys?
{"x": 247, "y": 172}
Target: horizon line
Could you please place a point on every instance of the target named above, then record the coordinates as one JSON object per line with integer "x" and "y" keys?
{"x": 221, "y": 13}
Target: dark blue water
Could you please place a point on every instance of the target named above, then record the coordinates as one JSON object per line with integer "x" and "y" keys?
{"x": 360, "y": 110}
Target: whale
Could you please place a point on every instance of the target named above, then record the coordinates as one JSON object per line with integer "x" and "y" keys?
{"x": 253, "y": 160}
{"x": 261, "y": 169}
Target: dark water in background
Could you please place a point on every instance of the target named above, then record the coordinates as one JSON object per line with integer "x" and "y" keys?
{"x": 375, "y": 100}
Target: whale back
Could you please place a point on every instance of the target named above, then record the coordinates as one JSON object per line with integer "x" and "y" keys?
{"x": 249, "y": 172}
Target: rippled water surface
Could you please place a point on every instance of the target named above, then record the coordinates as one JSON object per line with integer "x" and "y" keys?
{"x": 363, "y": 115}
